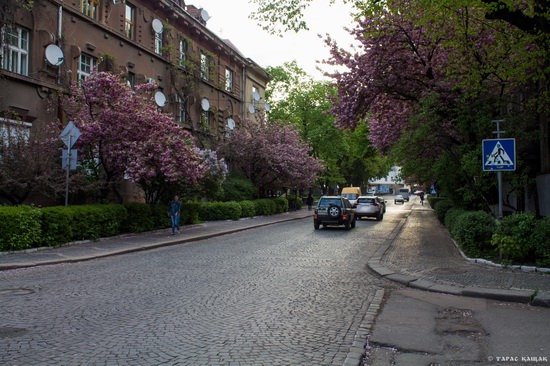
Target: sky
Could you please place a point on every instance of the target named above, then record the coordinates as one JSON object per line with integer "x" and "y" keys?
{"x": 230, "y": 20}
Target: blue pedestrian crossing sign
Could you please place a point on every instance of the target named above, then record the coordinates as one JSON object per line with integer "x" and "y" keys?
{"x": 499, "y": 155}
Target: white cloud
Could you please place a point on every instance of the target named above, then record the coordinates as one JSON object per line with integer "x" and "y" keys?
{"x": 230, "y": 20}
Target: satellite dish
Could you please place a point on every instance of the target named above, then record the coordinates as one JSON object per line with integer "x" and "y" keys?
{"x": 256, "y": 96}
{"x": 157, "y": 26}
{"x": 205, "y": 104}
{"x": 160, "y": 99}
{"x": 267, "y": 107}
{"x": 54, "y": 55}
{"x": 230, "y": 123}
{"x": 204, "y": 15}
{"x": 251, "y": 109}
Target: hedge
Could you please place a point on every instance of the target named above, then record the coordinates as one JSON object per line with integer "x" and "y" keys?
{"x": 26, "y": 227}
{"x": 522, "y": 238}
{"x": 473, "y": 231}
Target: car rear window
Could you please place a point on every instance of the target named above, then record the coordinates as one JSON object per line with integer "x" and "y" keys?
{"x": 365, "y": 200}
{"x": 325, "y": 202}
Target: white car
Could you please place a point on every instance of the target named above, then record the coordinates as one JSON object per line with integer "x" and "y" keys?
{"x": 370, "y": 206}
{"x": 399, "y": 198}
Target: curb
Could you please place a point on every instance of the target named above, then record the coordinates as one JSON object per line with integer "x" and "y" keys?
{"x": 532, "y": 297}
{"x": 140, "y": 248}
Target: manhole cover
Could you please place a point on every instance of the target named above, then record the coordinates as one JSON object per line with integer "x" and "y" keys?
{"x": 448, "y": 271}
{"x": 9, "y": 332}
{"x": 16, "y": 291}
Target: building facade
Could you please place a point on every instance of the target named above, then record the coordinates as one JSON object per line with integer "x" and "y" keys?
{"x": 204, "y": 81}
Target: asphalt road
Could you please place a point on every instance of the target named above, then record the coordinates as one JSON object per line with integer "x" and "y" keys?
{"x": 284, "y": 294}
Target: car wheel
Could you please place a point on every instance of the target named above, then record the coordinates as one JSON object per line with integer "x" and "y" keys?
{"x": 316, "y": 225}
{"x": 334, "y": 211}
{"x": 354, "y": 222}
{"x": 347, "y": 225}
{"x": 379, "y": 217}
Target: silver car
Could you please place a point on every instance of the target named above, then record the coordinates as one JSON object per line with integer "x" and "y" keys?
{"x": 370, "y": 206}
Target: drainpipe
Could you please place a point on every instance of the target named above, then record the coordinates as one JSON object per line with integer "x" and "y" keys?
{"x": 59, "y": 33}
{"x": 243, "y": 92}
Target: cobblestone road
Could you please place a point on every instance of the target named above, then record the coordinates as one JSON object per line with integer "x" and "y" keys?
{"x": 284, "y": 294}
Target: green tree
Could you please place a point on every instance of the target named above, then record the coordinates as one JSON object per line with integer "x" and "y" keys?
{"x": 348, "y": 156}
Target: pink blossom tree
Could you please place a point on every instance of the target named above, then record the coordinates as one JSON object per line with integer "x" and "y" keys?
{"x": 125, "y": 136}
{"x": 272, "y": 156}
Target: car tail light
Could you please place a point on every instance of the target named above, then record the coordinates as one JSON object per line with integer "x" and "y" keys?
{"x": 375, "y": 204}
{"x": 356, "y": 204}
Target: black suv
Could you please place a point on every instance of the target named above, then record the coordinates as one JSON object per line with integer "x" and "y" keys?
{"x": 334, "y": 210}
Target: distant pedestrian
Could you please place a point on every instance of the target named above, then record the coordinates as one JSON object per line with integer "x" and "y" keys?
{"x": 422, "y": 198}
{"x": 309, "y": 201}
{"x": 174, "y": 210}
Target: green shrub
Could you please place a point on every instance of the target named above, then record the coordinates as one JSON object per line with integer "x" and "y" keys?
{"x": 441, "y": 207}
{"x": 295, "y": 202}
{"x": 282, "y": 204}
{"x": 189, "y": 213}
{"x": 522, "y": 238}
{"x": 473, "y": 231}
{"x": 247, "y": 208}
{"x": 238, "y": 188}
{"x": 87, "y": 222}
{"x": 211, "y": 211}
{"x": 56, "y": 225}
{"x": 110, "y": 218}
{"x": 434, "y": 201}
{"x": 265, "y": 207}
{"x": 541, "y": 242}
{"x": 20, "y": 227}
{"x": 139, "y": 218}
{"x": 451, "y": 217}
{"x": 160, "y": 218}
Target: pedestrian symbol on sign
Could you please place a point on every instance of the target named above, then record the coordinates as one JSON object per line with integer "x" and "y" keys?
{"x": 498, "y": 156}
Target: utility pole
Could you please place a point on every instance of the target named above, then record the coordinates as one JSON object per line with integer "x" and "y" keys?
{"x": 499, "y": 173}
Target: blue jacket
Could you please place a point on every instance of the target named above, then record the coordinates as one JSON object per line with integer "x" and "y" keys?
{"x": 175, "y": 208}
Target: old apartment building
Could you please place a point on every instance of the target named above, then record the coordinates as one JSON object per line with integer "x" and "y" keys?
{"x": 204, "y": 81}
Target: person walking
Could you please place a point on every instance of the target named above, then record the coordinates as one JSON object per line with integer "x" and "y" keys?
{"x": 174, "y": 210}
{"x": 422, "y": 198}
{"x": 309, "y": 201}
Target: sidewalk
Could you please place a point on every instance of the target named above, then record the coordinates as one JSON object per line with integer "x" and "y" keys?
{"x": 419, "y": 253}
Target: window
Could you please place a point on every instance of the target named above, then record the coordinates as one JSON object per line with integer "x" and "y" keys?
{"x": 131, "y": 79}
{"x": 206, "y": 62}
{"x": 14, "y": 131}
{"x": 183, "y": 52}
{"x": 229, "y": 80}
{"x": 205, "y": 120}
{"x": 182, "y": 109}
{"x": 255, "y": 97}
{"x": 86, "y": 65}
{"x": 15, "y": 50}
{"x": 130, "y": 23}
{"x": 89, "y": 8}
{"x": 158, "y": 43}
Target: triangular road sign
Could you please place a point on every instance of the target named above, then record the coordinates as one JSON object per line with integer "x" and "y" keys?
{"x": 499, "y": 156}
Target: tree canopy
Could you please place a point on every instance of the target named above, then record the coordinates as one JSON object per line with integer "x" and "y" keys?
{"x": 271, "y": 156}
{"x": 125, "y": 136}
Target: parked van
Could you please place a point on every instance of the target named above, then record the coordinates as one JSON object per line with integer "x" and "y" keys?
{"x": 351, "y": 193}
{"x": 405, "y": 192}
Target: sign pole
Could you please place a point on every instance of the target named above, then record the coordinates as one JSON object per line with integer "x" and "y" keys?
{"x": 68, "y": 167}
{"x": 499, "y": 173}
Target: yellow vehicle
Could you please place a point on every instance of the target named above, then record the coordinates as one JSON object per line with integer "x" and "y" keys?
{"x": 351, "y": 193}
